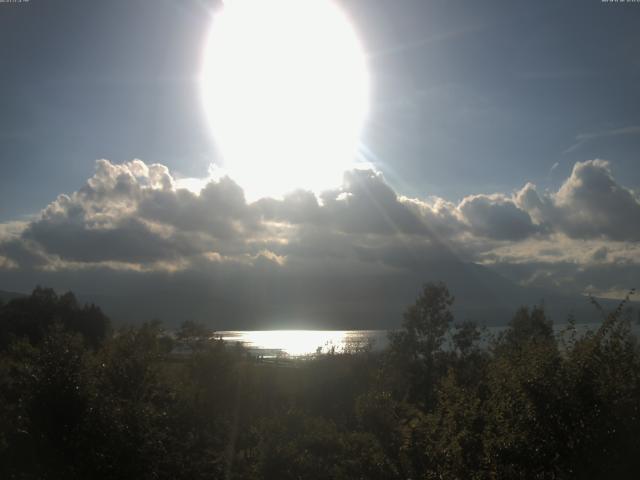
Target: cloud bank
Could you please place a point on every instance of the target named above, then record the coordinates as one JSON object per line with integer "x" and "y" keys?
{"x": 131, "y": 228}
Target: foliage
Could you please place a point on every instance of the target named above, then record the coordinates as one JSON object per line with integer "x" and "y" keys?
{"x": 416, "y": 350}
{"x": 193, "y": 334}
{"x": 443, "y": 401}
{"x": 31, "y": 317}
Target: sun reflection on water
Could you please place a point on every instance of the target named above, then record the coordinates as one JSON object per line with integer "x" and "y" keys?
{"x": 296, "y": 343}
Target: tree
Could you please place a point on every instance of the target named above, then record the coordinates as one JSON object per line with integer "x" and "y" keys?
{"x": 425, "y": 323}
{"x": 31, "y": 317}
{"x": 193, "y": 334}
{"x": 45, "y": 390}
{"x": 528, "y": 326}
{"x": 416, "y": 348}
{"x": 466, "y": 337}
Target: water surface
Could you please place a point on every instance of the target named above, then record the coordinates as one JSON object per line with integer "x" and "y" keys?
{"x": 298, "y": 343}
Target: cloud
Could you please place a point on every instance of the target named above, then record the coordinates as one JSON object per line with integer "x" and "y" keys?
{"x": 364, "y": 204}
{"x": 134, "y": 213}
{"x": 629, "y": 130}
{"x": 583, "y": 138}
{"x": 600, "y": 254}
{"x": 591, "y": 204}
{"x": 319, "y": 253}
{"x": 497, "y": 216}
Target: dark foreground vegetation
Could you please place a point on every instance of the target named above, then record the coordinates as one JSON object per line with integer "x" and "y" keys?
{"x": 80, "y": 401}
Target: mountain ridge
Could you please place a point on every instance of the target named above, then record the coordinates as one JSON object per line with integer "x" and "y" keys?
{"x": 481, "y": 295}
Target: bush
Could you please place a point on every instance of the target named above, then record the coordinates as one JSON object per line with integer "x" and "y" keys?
{"x": 442, "y": 402}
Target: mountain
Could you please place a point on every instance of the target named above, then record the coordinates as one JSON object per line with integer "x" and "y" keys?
{"x": 328, "y": 301}
{"x": 6, "y": 296}
{"x": 488, "y": 298}
{"x": 356, "y": 302}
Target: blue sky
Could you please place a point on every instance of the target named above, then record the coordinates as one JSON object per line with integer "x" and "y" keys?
{"x": 486, "y": 121}
{"x": 468, "y": 97}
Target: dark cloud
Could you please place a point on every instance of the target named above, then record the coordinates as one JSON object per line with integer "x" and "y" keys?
{"x": 219, "y": 209}
{"x": 364, "y": 204}
{"x": 298, "y": 207}
{"x": 130, "y": 240}
{"x": 496, "y": 216}
{"x": 571, "y": 278}
{"x": 600, "y": 254}
{"x": 20, "y": 252}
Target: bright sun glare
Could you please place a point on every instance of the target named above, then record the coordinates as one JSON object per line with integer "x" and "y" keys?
{"x": 286, "y": 92}
{"x": 292, "y": 342}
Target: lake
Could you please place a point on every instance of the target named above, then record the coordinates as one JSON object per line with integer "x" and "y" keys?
{"x": 298, "y": 343}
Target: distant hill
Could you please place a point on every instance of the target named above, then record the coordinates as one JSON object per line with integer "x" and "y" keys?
{"x": 333, "y": 302}
{"x": 6, "y": 296}
{"x": 366, "y": 302}
{"x": 487, "y": 297}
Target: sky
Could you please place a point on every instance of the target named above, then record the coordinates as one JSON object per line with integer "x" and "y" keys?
{"x": 501, "y": 135}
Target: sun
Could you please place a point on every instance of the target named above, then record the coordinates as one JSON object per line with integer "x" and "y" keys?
{"x": 285, "y": 89}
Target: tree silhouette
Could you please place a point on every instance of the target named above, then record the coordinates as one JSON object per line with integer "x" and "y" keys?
{"x": 416, "y": 348}
{"x": 438, "y": 403}
{"x": 31, "y": 317}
